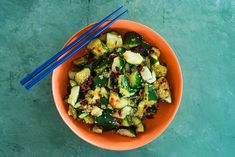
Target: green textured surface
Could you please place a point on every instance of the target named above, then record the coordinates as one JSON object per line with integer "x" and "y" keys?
{"x": 202, "y": 33}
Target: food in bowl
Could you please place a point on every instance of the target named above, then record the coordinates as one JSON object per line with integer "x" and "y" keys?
{"x": 118, "y": 84}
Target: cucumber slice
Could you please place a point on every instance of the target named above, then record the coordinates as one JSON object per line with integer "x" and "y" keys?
{"x": 96, "y": 111}
{"x": 110, "y": 84}
{"x": 103, "y": 37}
{"x": 135, "y": 79}
{"x": 118, "y": 63}
{"x": 72, "y": 83}
{"x": 97, "y": 47}
{"x": 97, "y": 129}
{"x": 143, "y": 105}
{"x": 140, "y": 127}
{"x": 159, "y": 70}
{"x": 80, "y": 61}
{"x": 72, "y": 75}
{"x": 72, "y": 112}
{"x": 125, "y": 111}
{"x": 163, "y": 90}
{"x": 125, "y": 122}
{"x": 126, "y": 132}
{"x": 88, "y": 119}
{"x": 133, "y": 58}
{"x": 73, "y": 97}
{"x": 156, "y": 51}
{"x": 153, "y": 59}
{"x": 136, "y": 120}
{"x": 149, "y": 93}
{"x": 132, "y": 39}
{"x": 93, "y": 96}
{"x": 113, "y": 41}
{"x": 127, "y": 68}
{"x": 114, "y": 99}
{"x": 148, "y": 63}
{"x": 82, "y": 76}
{"x": 106, "y": 120}
{"x": 103, "y": 92}
{"x": 116, "y": 102}
{"x": 77, "y": 105}
{"x": 122, "y": 103}
{"x": 119, "y": 50}
{"x": 147, "y": 75}
{"x": 82, "y": 115}
{"x": 124, "y": 88}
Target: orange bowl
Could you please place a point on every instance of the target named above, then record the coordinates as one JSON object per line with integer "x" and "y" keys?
{"x": 155, "y": 126}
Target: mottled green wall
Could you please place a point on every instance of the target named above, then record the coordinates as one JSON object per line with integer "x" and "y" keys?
{"x": 202, "y": 33}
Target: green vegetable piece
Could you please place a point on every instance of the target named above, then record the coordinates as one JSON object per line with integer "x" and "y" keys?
{"x": 106, "y": 120}
{"x": 73, "y": 97}
{"x": 124, "y": 88}
{"x": 125, "y": 122}
{"x": 80, "y": 61}
{"x": 98, "y": 82}
{"x": 159, "y": 70}
{"x": 133, "y": 58}
{"x": 72, "y": 75}
{"x": 119, "y": 50}
{"x": 135, "y": 79}
{"x": 88, "y": 119}
{"x": 102, "y": 66}
{"x": 129, "y": 132}
{"x": 113, "y": 41}
{"x": 82, "y": 75}
{"x": 132, "y": 39}
{"x": 118, "y": 64}
{"x": 72, "y": 83}
{"x": 136, "y": 120}
{"x": 140, "y": 127}
{"x": 72, "y": 112}
{"x": 110, "y": 84}
{"x": 97, "y": 47}
{"x": 82, "y": 115}
{"x": 163, "y": 90}
{"x": 153, "y": 58}
{"x": 147, "y": 75}
{"x": 146, "y": 46}
{"x": 150, "y": 93}
{"x": 142, "y": 106}
{"x": 104, "y": 101}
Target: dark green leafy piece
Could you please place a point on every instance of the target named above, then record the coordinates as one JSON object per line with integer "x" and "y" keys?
{"x": 104, "y": 101}
{"x": 98, "y": 82}
{"x": 101, "y": 67}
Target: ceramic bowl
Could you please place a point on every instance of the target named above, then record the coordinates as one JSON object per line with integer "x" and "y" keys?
{"x": 155, "y": 126}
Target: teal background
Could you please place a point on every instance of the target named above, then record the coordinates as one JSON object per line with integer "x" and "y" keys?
{"x": 202, "y": 34}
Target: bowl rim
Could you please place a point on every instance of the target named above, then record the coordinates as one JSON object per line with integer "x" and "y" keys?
{"x": 104, "y": 146}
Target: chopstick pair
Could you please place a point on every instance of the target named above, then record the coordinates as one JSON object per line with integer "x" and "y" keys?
{"x": 38, "y": 74}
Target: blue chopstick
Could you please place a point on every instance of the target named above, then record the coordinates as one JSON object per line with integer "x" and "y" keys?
{"x": 60, "y": 53}
{"x": 70, "y": 54}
